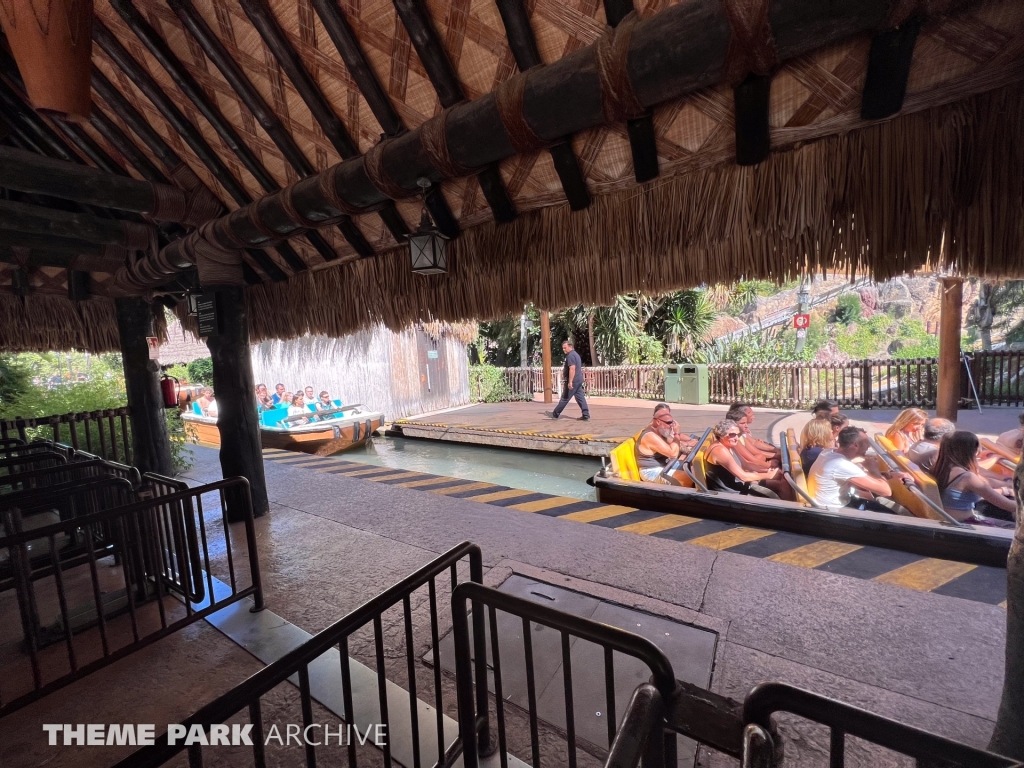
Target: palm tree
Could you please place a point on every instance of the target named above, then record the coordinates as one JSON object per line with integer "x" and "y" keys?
{"x": 683, "y": 321}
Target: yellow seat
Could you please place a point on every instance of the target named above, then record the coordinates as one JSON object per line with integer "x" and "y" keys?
{"x": 1002, "y": 461}
{"x": 624, "y": 461}
{"x": 796, "y": 467}
{"x": 925, "y": 483}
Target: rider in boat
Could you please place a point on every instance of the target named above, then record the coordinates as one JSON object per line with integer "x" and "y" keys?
{"x": 1013, "y": 440}
{"x": 298, "y": 408}
{"x": 966, "y": 495}
{"x": 725, "y": 472}
{"x": 659, "y": 443}
{"x": 907, "y": 428}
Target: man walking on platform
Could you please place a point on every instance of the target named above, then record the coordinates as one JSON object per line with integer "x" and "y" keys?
{"x": 572, "y": 384}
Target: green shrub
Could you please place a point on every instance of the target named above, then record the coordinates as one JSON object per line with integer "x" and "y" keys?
{"x": 179, "y": 372}
{"x": 848, "y": 308}
{"x": 15, "y": 379}
{"x": 201, "y": 371}
{"x": 487, "y": 384}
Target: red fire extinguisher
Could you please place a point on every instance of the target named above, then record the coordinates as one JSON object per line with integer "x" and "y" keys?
{"x": 169, "y": 389}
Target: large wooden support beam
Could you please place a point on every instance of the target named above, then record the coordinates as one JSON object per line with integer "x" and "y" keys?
{"x": 50, "y": 221}
{"x": 261, "y": 17}
{"x": 157, "y": 46}
{"x": 365, "y": 78}
{"x": 39, "y": 257}
{"x": 430, "y": 49}
{"x": 545, "y": 350}
{"x": 235, "y": 387}
{"x": 885, "y": 85}
{"x": 63, "y": 245}
{"x": 524, "y": 49}
{"x": 640, "y": 130}
{"x": 666, "y": 60}
{"x": 753, "y": 134}
{"x": 151, "y": 448}
{"x": 947, "y": 399}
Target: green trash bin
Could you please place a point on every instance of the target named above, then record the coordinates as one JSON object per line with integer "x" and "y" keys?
{"x": 673, "y": 389}
{"x": 693, "y": 384}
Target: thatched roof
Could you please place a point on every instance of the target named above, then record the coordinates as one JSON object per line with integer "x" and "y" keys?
{"x": 837, "y": 192}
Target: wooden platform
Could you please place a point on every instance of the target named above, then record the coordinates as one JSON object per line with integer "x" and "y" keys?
{"x": 524, "y": 425}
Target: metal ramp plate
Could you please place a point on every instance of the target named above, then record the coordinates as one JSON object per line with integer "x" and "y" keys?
{"x": 690, "y": 650}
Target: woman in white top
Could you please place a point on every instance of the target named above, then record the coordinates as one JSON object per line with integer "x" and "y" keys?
{"x": 298, "y": 408}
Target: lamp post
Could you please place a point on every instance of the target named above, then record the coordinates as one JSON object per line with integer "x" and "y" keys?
{"x": 803, "y": 304}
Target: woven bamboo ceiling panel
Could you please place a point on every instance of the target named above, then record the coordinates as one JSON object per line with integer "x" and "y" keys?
{"x": 811, "y": 97}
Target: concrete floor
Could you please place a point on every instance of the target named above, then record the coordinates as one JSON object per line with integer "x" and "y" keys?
{"x": 331, "y": 542}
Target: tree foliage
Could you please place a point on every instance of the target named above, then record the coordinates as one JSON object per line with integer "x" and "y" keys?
{"x": 848, "y": 308}
{"x": 201, "y": 371}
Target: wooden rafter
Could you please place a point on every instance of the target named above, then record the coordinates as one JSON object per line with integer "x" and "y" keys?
{"x": 425, "y": 40}
{"x": 166, "y": 58}
{"x": 524, "y": 49}
{"x": 263, "y": 19}
{"x": 155, "y": 142}
{"x": 362, "y": 73}
{"x": 641, "y": 129}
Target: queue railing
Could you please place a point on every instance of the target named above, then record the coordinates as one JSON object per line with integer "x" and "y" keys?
{"x": 246, "y": 697}
{"x": 106, "y": 432}
{"x": 159, "y": 547}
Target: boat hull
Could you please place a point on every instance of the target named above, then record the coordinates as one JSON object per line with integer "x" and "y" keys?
{"x": 930, "y": 538}
{"x": 319, "y": 440}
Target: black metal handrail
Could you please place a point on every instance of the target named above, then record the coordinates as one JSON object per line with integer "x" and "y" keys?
{"x": 845, "y": 719}
{"x": 153, "y": 557}
{"x": 108, "y": 428}
{"x": 247, "y": 694}
{"x": 644, "y": 717}
{"x": 473, "y": 710}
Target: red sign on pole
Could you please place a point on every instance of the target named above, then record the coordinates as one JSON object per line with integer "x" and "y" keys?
{"x": 801, "y": 321}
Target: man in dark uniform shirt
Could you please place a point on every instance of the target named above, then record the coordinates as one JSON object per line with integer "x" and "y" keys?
{"x": 572, "y": 383}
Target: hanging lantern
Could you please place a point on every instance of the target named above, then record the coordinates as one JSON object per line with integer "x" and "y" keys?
{"x": 426, "y": 244}
{"x": 52, "y": 45}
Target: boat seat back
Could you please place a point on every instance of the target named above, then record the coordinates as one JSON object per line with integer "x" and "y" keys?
{"x": 924, "y": 482}
{"x": 999, "y": 450}
{"x": 796, "y": 467}
{"x": 623, "y": 459}
{"x": 273, "y": 418}
{"x": 196, "y": 409}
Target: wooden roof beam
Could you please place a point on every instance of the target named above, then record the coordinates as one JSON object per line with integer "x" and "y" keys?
{"x": 885, "y": 85}
{"x": 366, "y": 80}
{"x": 39, "y": 257}
{"x": 127, "y": 148}
{"x": 665, "y": 61}
{"x": 171, "y": 161}
{"x": 158, "y": 47}
{"x": 263, "y": 19}
{"x": 439, "y": 69}
{"x": 51, "y": 221}
{"x": 640, "y": 130}
{"x": 523, "y": 43}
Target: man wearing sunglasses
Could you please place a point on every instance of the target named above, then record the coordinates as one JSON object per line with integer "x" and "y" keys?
{"x": 659, "y": 443}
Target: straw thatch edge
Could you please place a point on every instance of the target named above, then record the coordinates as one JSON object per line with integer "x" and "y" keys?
{"x": 49, "y": 323}
{"x": 882, "y": 200}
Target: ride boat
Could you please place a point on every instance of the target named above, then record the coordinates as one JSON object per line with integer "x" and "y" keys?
{"x": 321, "y": 432}
{"x": 927, "y": 530}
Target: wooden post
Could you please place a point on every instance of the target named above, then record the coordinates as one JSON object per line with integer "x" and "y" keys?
{"x": 545, "y": 346}
{"x": 234, "y": 387}
{"x": 151, "y": 450}
{"x": 947, "y": 399}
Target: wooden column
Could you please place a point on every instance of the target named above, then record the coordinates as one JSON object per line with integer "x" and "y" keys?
{"x": 545, "y": 345}
{"x": 151, "y": 450}
{"x": 234, "y": 387}
{"x": 948, "y": 398}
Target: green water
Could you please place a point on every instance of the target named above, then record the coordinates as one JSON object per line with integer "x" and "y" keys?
{"x": 533, "y": 471}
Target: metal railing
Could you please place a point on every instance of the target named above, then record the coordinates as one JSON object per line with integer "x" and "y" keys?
{"x": 856, "y": 384}
{"x": 640, "y": 381}
{"x": 106, "y": 432}
{"x": 247, "y": 696}
{"x": 999, "y": 377}
{"x": 762, "y": 747}
{"x": 160, "y": 547}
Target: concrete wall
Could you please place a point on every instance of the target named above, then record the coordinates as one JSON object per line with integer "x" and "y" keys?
{"x": 396, "y": 373}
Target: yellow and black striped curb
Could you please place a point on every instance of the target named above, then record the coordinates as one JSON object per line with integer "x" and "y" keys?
{"x": 923, "y": 574}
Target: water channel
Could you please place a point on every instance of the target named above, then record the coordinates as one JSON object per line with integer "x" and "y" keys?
{"x": 561, "y": 475}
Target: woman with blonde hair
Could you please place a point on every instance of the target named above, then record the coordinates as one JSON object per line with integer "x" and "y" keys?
{"x": 818, "y": 437}
{"x": 907, "y": 428}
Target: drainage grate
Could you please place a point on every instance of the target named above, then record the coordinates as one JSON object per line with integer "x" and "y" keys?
{"x": 691, "y": 651}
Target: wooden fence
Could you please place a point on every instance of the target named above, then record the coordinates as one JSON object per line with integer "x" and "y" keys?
{"x": 105, "y": 433}
{"x": 885, "y": 383}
